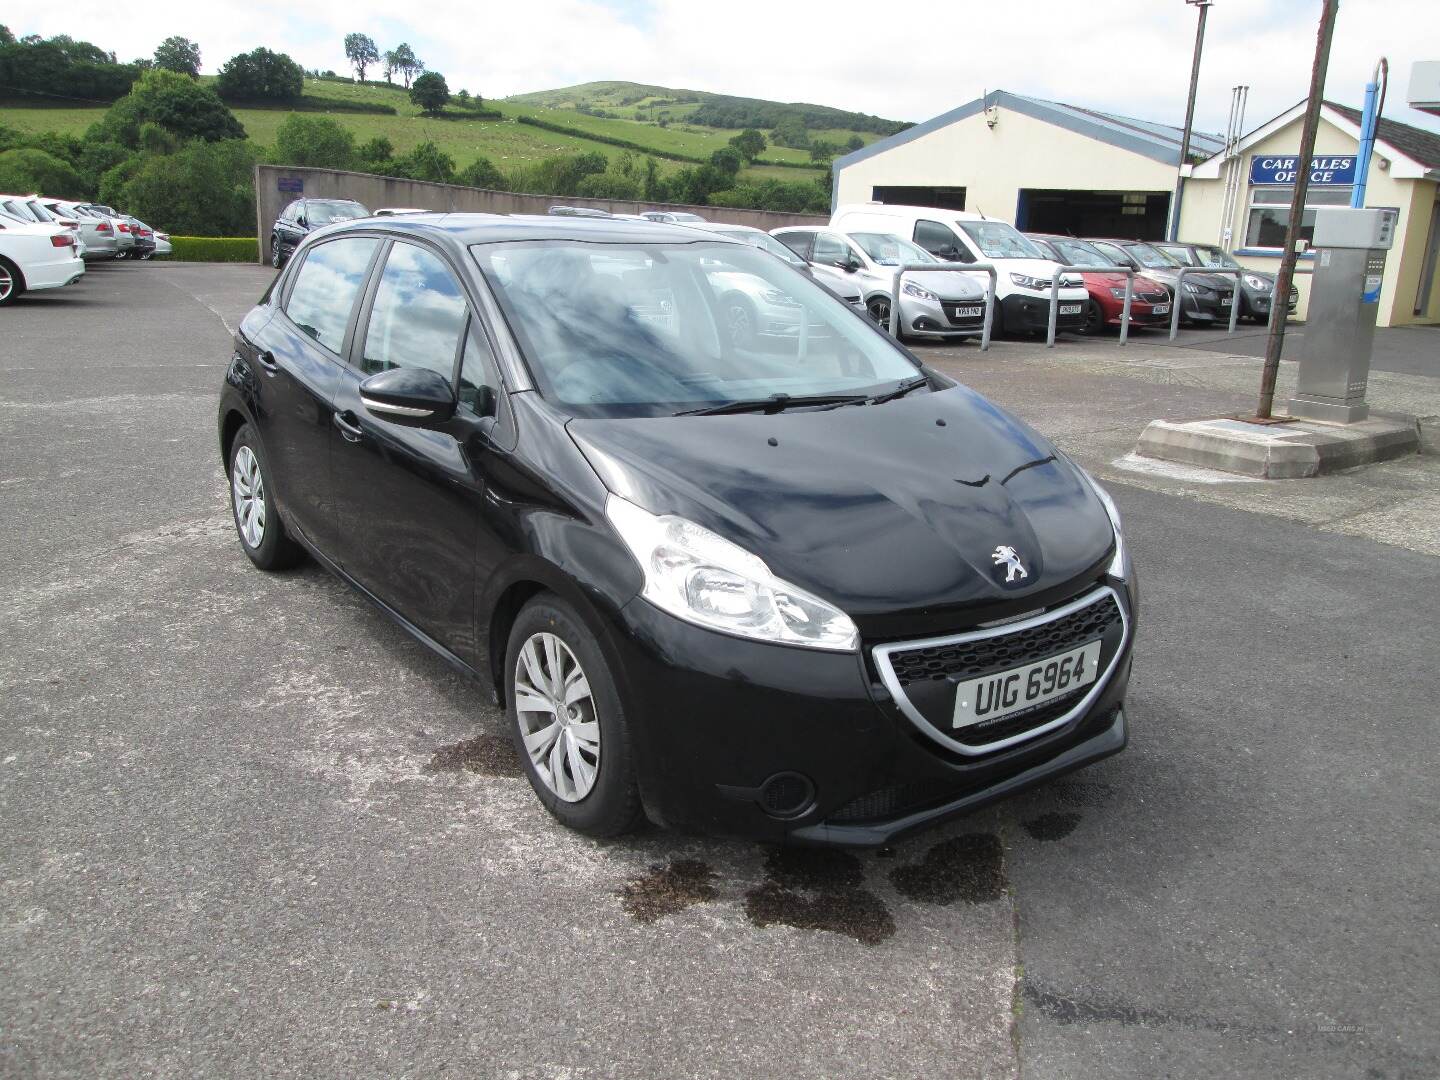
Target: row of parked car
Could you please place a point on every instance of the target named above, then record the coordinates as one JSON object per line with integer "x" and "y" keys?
{"x": 855, "y": 257}
{"x": 46, "y": 242}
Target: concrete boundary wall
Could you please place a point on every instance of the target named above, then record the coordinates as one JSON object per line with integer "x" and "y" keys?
{"x": 376, "y": 192}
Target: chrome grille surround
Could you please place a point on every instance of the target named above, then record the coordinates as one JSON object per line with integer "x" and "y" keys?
{"x": 886, "y": 668}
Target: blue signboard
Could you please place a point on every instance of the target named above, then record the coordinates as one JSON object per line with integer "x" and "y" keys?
{"x": 1324, "y": 171}
{"x": 290, "y": 183}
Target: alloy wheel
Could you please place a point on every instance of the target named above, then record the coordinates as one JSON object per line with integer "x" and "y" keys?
{"x": 7, "y": 284}
{"x": 275, "y": 252}
{"x": 556, "y": 711}
{"x": 737, "y": 321}
{"x": 248, "y": 486}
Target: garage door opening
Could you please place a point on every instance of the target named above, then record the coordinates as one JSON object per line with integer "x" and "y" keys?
{"x": 1125, "y": 215}
{"x": 942, "y": 198}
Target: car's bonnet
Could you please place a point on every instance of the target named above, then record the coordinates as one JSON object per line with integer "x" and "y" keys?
{"x": 888, "y": 508}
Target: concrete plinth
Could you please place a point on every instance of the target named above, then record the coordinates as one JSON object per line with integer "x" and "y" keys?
{"x": 1288, "y": 451}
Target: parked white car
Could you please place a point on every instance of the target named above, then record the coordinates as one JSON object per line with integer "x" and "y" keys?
{"x": 35, "y": 256}
{"x": 1024, "y": 274}
{"x": 29, "y": 208}
{"x": 933, "y": 304}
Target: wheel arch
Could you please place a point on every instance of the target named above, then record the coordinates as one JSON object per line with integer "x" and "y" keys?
{"x": 14, "y": 268}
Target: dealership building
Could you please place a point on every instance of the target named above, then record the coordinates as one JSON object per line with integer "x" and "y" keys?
{"x": 1050, "y": 167}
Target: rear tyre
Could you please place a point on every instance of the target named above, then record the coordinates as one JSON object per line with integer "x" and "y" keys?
{"x": 12, "y": 282}
{"x": 567, "y": 722}
{"x": 144, "y": 255}
{"x": 252, "y": 506}
{"x": 122, "y": 254}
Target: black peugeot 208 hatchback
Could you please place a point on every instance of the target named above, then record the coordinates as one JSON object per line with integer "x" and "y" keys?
{"x": 790, "y": 585}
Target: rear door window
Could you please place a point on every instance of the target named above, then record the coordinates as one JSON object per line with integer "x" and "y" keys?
{"x": 327, "y": 286}
{"x": 798, "y": 242}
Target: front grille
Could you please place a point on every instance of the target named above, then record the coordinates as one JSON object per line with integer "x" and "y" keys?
{"x": 922, "y": 678}
{"x": 892, "y": 801}
{"x": 971, "y": 659}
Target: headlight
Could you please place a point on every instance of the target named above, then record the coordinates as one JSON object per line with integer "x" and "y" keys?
{"x": 911, "y": 289}
{"x": 705, "y": 579}
{"x": 1259, "y": 284}
{"x": 1025, "y": 281}
{"x": 1120, "y": 566}
{"x": 775, "y": 296}
{"x": 1118, "y": 294}
{"x": 1198, "y": 290}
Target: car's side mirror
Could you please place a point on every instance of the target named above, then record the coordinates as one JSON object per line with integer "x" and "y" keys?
{"x": 484, "y": 401}
{"x": 852, "y": 264}
{"x": 414, "y": 397}
{"x": 300, "y": 221}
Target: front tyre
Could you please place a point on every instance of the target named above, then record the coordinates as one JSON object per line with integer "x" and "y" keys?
{"x": 1094, "y": 319}
{"x": 567, "y": 722}
{"x": 252, "y": 506}
{"x": 277, "y": 259}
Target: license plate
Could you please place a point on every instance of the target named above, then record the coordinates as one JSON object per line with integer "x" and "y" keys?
{"x": 1224, "y": 301}
{"x": 969, "y": 312}
{"x": 991, "y": 697}
{"x": 1161, "y": 309}
{"x": 1071, "y": 309}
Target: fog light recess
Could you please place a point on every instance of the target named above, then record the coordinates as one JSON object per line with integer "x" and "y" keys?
{"x": 787, "y": 795}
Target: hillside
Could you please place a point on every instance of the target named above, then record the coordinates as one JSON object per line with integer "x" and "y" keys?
{"x": 506, "y": 141}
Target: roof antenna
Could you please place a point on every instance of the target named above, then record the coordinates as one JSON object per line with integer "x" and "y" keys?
{"x": 981, "y": 213}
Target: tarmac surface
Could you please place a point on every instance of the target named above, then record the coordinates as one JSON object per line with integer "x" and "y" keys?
{"x": 248, "y": 827}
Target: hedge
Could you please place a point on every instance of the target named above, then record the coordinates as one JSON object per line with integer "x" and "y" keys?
{"x": 624, "y": 144}
{"x": 215, "y": 249}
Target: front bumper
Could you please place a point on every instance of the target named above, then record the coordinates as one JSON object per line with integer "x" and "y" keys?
{"x": 1206, "y": 307}
{"x": 1025, "y": 313}
{"x": 939, "y": 318}
{"x": 715, "y": 720}
{"x": 1142, "y": 311}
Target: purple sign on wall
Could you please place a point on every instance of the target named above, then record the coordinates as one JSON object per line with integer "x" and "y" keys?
{"x": 290, "y": 183}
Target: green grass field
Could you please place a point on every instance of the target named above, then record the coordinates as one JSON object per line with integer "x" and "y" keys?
{"x": 505, "y": 142}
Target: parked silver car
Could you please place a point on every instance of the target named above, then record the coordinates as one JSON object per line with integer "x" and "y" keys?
{"x": 99, "y": 233}
{"x": 124, "y": 234}
{"x": 933, "y": 304}
{"x": 842, "y": 288}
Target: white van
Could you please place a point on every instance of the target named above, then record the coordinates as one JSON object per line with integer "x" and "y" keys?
{"x": 1024, "y": 274}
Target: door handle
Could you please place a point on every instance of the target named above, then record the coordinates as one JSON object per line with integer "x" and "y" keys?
{"x": 267, "y": 361}
{"x": 350, "y": 429}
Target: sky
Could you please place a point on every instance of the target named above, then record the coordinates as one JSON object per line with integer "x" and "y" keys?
{"x": 904, "y": 60}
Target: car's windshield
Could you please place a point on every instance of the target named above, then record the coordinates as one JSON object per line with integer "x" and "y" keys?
{"x": 657, "y": 329}
{"x": 764, "y": 241}
{"x": 1217, "y": 258}
{"x": 1079, "y": 253}
{"x": 890, "y": 250}
{"x": 997, "y": 240}
{"x": 1181, "y": 254}
{"x": 323, "y": 213}
{"x": 1152, "y": 258}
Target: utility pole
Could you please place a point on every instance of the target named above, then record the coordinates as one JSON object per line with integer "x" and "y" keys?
{"x": 1276, "y": 341}
{"x": 1204, "y": 6}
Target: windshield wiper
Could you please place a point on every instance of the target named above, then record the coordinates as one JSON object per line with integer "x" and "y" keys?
{"x": 773, "y": 404}
{"x": 899, "y": 391}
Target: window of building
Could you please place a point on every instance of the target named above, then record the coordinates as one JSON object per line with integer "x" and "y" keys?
{"x": 1270, "y": 213}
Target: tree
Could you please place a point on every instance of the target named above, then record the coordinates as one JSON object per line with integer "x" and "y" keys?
{"x": 430, "y": 92}
{"x": 402, "y": 61}
{"x": 203, "y": 189}
{"x": 29, "y": 169}
{"x": 184, "y": 107}
{"x": 855, "y": 142}
{"x": 481, "y": 173}
{"x": 376, "y": 154}
{"x": 820, "y": 150}
{"x": 728, "y": 160}
{"x": 315, "y": 141}
{"x": 178, "y": 54}
{"x": 360, "y": 50}
{"x": 790, "y": 131}
{"x": 6, "y": 37}
{"x": 750, "y": 143}
{"x": 427, "y": 162}
{"x": 261, "y": 75}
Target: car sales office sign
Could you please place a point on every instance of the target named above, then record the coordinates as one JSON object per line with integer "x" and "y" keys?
{"x": 1324, "y": 171}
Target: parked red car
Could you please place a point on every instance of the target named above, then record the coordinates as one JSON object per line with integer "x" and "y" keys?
{"x": 1149, "y": 299}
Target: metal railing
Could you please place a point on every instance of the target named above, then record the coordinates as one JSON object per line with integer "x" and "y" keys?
{"x": 1180, "y": 291}
{"x": 964, "y": 268}
{"x": 1055, "y": 297}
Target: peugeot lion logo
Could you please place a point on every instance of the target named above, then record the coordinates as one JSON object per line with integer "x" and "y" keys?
{"x": 1011, "y": 558}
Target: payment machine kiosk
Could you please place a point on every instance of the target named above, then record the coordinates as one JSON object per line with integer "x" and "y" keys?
{"x": 1349, "y": 247}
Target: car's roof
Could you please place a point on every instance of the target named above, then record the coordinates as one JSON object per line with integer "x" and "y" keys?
{"x": 466, "y": 229}
{"x": 721, "y": 227}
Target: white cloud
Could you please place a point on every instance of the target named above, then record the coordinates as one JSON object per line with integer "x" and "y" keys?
{"x": 907, "y": 60}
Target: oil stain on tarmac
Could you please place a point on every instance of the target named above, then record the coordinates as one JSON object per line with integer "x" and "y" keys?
{"x": 488, "y": 755}
{"x": 1051, "y": 826}
{"x": 969, "y": 868}
{"x": 819, "y": 889}
{"x": 667, "y": 889}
